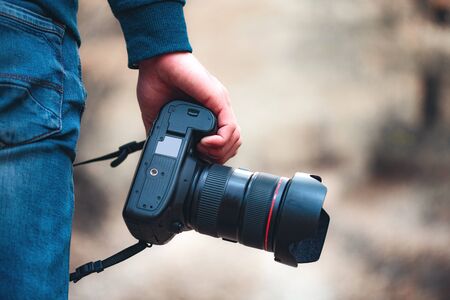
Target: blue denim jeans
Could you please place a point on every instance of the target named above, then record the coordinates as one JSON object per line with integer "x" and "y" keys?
{"x": 41, "y": 102}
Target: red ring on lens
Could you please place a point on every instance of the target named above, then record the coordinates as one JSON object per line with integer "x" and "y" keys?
{"x": 269, "y": 217}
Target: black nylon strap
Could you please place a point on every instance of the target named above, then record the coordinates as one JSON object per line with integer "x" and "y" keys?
{"x": 100, "y": 265}
{"x": 121, "y": 154}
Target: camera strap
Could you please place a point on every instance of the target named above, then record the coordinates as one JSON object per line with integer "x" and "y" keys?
{"x": 99, "y": 265}
{"x": 121, "y": 154}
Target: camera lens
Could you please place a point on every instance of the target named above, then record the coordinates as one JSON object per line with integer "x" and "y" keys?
{"x": 261, "y": 210}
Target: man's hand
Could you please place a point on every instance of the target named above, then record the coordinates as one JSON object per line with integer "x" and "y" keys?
{"x": 180, "y": 76}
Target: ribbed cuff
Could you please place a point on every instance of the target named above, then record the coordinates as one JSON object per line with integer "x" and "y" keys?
{"x": 152, "y": 30}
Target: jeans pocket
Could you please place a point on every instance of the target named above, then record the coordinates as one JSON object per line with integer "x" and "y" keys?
{"x": 31, "y": 76}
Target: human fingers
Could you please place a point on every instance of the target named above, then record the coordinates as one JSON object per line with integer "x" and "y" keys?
{"x": 188, "y": 75}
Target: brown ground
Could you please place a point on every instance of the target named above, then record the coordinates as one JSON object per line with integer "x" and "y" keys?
{"x": 326, "y": 87}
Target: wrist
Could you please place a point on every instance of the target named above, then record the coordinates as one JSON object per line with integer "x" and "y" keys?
{"x": 161, "y": 59}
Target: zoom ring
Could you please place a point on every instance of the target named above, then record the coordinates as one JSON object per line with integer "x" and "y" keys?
{"x": 257, "y": 207}
{"x": 210, "y": 199}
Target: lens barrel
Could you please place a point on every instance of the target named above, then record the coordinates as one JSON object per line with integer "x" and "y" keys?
{"x": 261, "y": 210}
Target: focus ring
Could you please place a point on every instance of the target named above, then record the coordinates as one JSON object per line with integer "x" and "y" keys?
{"x": 258, "y": 202}
{"x": 210, "y": 198}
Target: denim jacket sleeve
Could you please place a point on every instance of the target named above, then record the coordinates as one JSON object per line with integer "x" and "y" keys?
{"x": 151, "y": 27}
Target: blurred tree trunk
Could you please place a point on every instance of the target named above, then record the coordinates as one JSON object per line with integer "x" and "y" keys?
{"x": 432, "y": 87}
{"x": 432, "y": 77}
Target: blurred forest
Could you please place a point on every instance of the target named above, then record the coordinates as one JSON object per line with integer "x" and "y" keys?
{"x": 355, "y": 91}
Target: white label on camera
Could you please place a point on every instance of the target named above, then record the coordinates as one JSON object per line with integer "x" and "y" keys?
{"x": 170, "y": 146}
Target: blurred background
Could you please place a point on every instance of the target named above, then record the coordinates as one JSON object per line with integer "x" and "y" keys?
{"x": 355, "y": 91}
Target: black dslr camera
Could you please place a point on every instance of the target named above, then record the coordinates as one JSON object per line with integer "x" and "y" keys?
{"x": 173, "y": 190}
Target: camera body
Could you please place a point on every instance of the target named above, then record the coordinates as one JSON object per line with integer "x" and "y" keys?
{"x": 155, "y": 208}
{"x": 173, "y": 190}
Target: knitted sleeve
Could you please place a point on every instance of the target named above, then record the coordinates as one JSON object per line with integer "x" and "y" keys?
{"x": 151, "y": 27}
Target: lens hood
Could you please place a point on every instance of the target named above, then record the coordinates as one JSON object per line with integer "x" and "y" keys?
{"x": 301, "y": 222}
